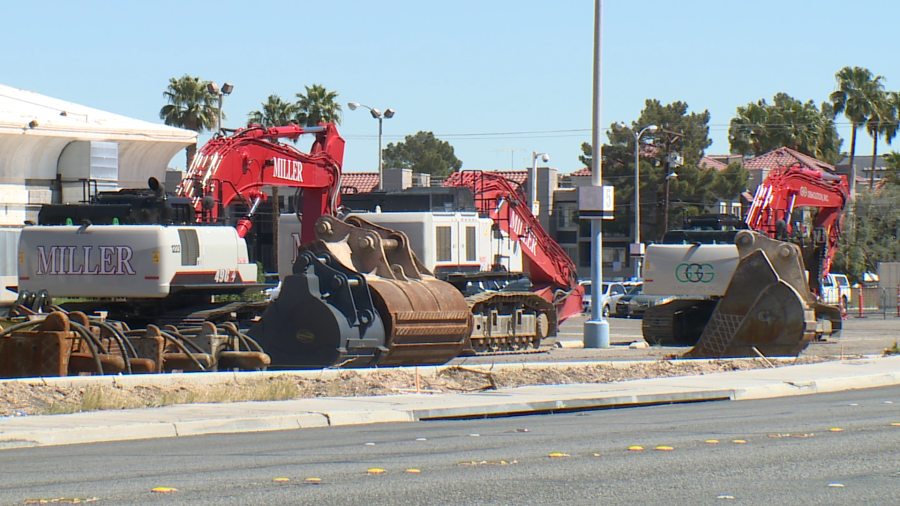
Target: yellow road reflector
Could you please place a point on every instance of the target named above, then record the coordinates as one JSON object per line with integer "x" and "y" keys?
{"x": 635, "y": 448}
{"x": 413, "y": 471}
{"x": 836, "y": 485}
{"x": 370, "y": 444}
{"x": 836, "y": 429}
{"x": 164, "y": 490}
{"x": 62, "y": 500}
{"x": 712, "y": 441}
{"x": 375, "y": 470}
{"x": 596, "y": 454}
{"x": 558, "y": 454}
{"x": 314, "y": 480}
{"x": 282, "y": 480}
{"x": 740, "y": 441}
{"x": 664, "y": 448}
{"x": 421, "y": 439}
{"x": 895, "y": 424}
{"x": 475, "y": 435}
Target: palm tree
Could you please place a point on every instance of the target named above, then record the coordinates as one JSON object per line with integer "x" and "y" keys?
{"x": 275, "y": 112}
{"x": 749, "y": 129}
{"x": 318, "y": 105}
{"x": 858, "y": 91}
{"x": 883, "y": 121}
{"x": 191, "y": 106}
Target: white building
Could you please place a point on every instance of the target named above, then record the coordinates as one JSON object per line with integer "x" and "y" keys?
{"x": 52, "y": 151}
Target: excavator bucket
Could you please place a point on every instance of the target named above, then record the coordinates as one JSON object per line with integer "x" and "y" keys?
{"x": 359, "y": 297}
{"x": 767, "y": 308}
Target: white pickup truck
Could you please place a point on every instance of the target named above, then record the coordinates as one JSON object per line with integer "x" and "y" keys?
{"x": 836, "y": 290}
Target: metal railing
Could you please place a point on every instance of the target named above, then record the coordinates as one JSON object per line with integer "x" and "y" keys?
{"x": 875, "y": 301}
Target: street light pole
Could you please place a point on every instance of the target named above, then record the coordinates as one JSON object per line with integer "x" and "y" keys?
{"x": 532, "y": 181}
{"x": 213, "y": 89}
{"x": 636, "y": 249}
{"x": 389, "y": 113}
{"x": 670, "y": 177}
{"x": 596, "y": 328}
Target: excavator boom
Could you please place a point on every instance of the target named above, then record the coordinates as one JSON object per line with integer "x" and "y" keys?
{"x": 239, "y": 166}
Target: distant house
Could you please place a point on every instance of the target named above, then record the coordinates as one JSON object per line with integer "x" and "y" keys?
{"x": 719, "y": 162}
{"x": 760, "y": 166}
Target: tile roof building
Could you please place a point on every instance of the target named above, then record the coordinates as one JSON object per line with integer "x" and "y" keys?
{"x": 359, "y": 182}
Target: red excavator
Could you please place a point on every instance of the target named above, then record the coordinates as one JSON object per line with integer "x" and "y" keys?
{"x": 758, "y": 295}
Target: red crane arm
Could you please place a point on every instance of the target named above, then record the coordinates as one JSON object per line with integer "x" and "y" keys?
{"x": 787, "y": 188}
{"x": 239, "y": 166}
{"x": 546, "y": 261}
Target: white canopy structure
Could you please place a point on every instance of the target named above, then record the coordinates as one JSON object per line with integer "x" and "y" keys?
{"x": 47, "y": 144}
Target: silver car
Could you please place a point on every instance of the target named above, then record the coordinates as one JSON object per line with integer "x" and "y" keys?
{"x": 611, "y": 292}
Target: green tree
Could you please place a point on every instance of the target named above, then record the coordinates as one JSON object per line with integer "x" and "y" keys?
{"x": 882, "y": 122}
{"x": 422, "y": 152}
{"x": 318, "y": 105}
{"x": 191, "y": 106}
{"x": 858, "y": 90}
{"x": 760, "y": 127}
{"x": 274, "y": 112}
{"x": 875, "y": 226}
{"x": 694, "y": 191}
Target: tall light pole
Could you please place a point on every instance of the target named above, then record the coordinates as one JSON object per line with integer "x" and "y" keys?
{"x": 532, "y": 181}
{"x": 636, "y": 249}
{"x": 670, "y": 177}
{"x": 213, "y": 89}
{"x": 596, "y": 328}
{"x": 380, "y": 117}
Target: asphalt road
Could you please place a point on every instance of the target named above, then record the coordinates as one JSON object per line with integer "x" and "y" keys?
{"x": 791, "y": 455}
{"x": 860, "y": 336}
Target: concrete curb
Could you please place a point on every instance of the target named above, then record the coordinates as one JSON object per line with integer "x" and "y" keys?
{"x": 189, "y": 420}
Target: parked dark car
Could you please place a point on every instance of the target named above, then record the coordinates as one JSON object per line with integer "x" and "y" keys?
{"x": 638, "y": 304}
{"x": 622, "y": 303}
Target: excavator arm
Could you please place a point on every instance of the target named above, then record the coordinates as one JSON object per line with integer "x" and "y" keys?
{"x": 239, "y": 166}
{"x": 788, "y": 188}
{"x": 550, "y": 268}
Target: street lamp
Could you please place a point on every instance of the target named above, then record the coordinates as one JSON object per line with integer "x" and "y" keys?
{"x": 532, "y": 181}
{"x": 636, "y": 249}
{"x": 213, "y": 89}
{"x": 379, "y": 116}
{"x": 670, "y": 177}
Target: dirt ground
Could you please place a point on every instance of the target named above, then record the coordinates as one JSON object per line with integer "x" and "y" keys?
{"x": 869, "y": 336}
{"x": 21, "y": 399}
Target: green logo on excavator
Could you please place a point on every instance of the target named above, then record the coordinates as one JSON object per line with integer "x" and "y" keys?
{"x": 695, "y": 273}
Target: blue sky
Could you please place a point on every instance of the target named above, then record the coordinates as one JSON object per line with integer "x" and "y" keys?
{"x": 497, "y": 79}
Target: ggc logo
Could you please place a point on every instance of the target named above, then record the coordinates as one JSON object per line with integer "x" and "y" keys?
{"x": 695, "y": 273}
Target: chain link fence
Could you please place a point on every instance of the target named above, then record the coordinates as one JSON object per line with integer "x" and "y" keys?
{"x": 874, "y": 301}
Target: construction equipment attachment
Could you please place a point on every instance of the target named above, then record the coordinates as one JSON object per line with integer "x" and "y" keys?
{"x": 767, "y": 309}
{"x": 359, "y": 297}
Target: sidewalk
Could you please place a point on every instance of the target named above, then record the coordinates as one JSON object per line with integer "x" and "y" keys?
{"x": 196, "y": 419}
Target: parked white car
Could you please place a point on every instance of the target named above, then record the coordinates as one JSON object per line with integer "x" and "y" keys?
{"x": 611, "y": 292}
